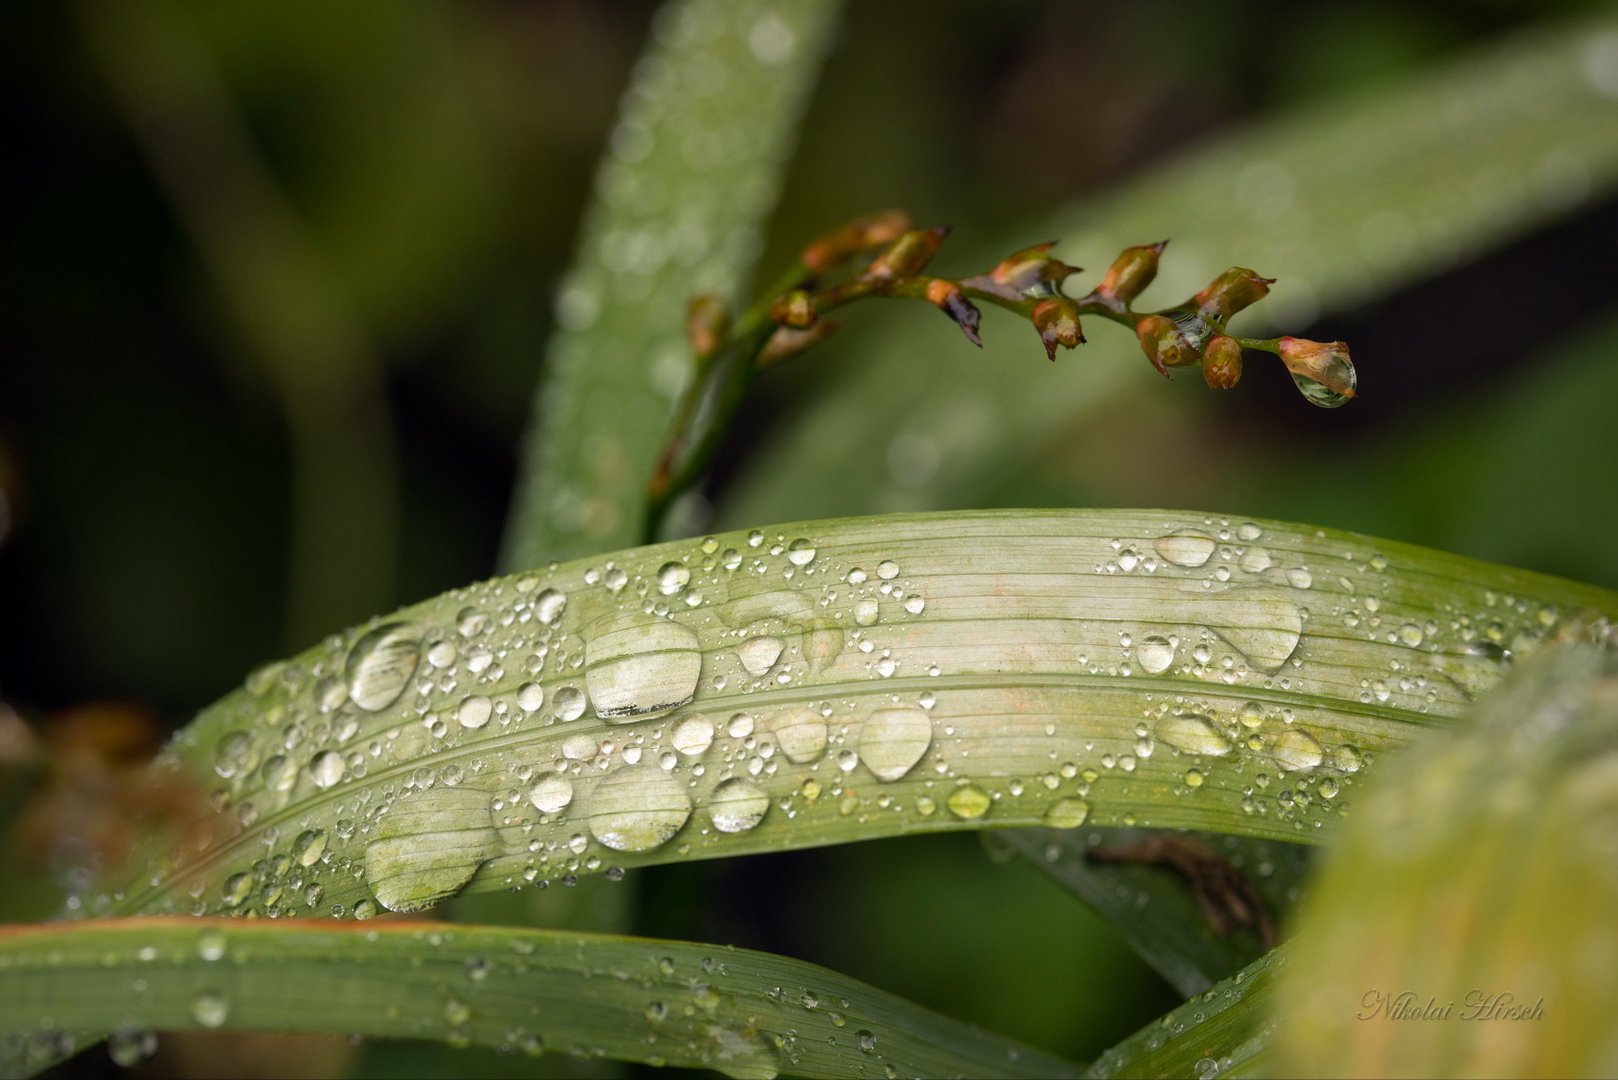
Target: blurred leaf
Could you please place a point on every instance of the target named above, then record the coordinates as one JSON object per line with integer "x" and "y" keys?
{"x": 1221, "y": 1032}
{"x": 692, "y": 169}
{"x": 1343, "y": 201}
{"x": 742, "y": 1013}
{"x": 835, "y": 681}
{"x": 1463, "y": 925}
{"x": 1154, "y": 907}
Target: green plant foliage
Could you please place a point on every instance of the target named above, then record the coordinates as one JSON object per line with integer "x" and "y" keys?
{"x": 692, "y": 169}
{"x": 1463, "y": 926}
{"x": 742, "y": 1013}
{"x": 834, "y": 681}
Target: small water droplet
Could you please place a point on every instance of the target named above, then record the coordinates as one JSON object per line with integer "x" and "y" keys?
{"x": 893, "y": 740}
{"x": 638, "y": 664}
{"x": 380, "y": 665}
{"x": 1186, "y": 549}
{"x": 132, "y": 1048}
{"x": 801, "y": 735}
{"x": 1300, "y": 577}
{"x": 1255, "y": 560}
{"x": 637, "y": 808}
{"x": 1194, "y": 734}
{"x": 887, "y": 569}
{"x": 1155, "y": 654}
{"x": 672, "y": 577}
{"x": 326, "y": 768}
{"x": 800, "y": 552}
{"x": 309, "y": 846}
{"x": 1296, "y": 749}
{"x": 210, "y": 1009}
{"x": 693, "y": 735}
{"x": 866, "y": 613}
{"x": 530, "y": 696}
{"x": 1067, "y": 813}
{"x": 569, "y": 703}
{"x": 474, "y": 712}
{"x": 968, "y": 802}
{"x": 737, "y": 805}
{"x": 548, "y": 605}
{"x": 551, "y": 793}
{"x": 915, "y": 604}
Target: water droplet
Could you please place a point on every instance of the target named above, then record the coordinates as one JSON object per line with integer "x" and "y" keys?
{"x": 801, "y": 735}
{"x": 672, "y": 577}
{"x": 1193, "y": 734}
{"x": 893, "y": 740}
{"x": 1296, "y": 749}
{"x": 551, "y": 793}
{"x": 915, "y": 604}
{"x": 968, "y": 802}
{"x": 211, "y": 946}
{"x": 210, "y": 1009}
{"x": 233, "y": 755}
{"x": 530, "y": 696}
{"x": 1410, "y": 634}
{"x": 638, "y": 808}
{"x": 427, "y": 846}
{"x": 800, "y": 552}
{"x": 474, "y": 712}
{"x": 1300, "y": 577}
{"x": 548, "y": 605}
{"x": 1255, "y": 560}
{"x": 1155, "y": 654}
{"x": 1340, "y": 368}
{"x": 737, "y": 805}
{"x": 381, "y": 664}
{"x": 637, "y": 664}
{"x": 759, "y": 654}
{"x": 326, "y": 768}
{"x": 132, "y": 1049}
{"x": 887, "y": 569}
{"x": 1265, "y": 626}
{"x": 866, "y": 612}
{"x": 1067, "y": 813}
{"x": 1185, "y": 549}
{"x": 865, "y": 1041}
{"x": 309, "y": 846}
{"x": 693, "y": 735}
{"x": 569, "y": 703}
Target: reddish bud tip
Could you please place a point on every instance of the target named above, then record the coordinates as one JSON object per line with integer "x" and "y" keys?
{"x": 1057, "y": 321}
{"x": 861, "y": 234}
{"x": 1232, "y": 291}
{"x": 1031, "y": 272}
{"x": 1164, "y": 344}
{"x": 1130, "y": 273}
{"x": 796, "y": 309}
{"x": 789, "y": 341}
{"x": 908, "y": 255}
{"x": 1222, "y": 362}
{"x": 948, "y": 298}
{"x": 707, "y": 320}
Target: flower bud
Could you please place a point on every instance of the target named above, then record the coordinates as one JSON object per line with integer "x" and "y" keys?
{"x": 908, "y": 255}
{"x": 1232, "y": 291}
{"x": 1323, "y": 370}
{"x": 1057, "y": 321}
{"x": 1031, "y": 272}
{"x": 1130, "y": 273}
{"x": 1222, "y": 362}
{"x": 1164, "y": 344}
{"x": 789, "y": 341}
{"x": 795, "y": 309}
{"x": 951, "y": 300}
{"x": 707, "y": 320}
{"x": 861, "y": 234}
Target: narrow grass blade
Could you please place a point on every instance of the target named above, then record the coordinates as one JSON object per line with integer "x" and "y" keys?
{"x": 692, "y": 169}
{"x": 828, "y": 682}
{"x": 1221, "y": 1032}
{"x": 742, "y": 1013}
{"x": 1463, "y": 926}
{"x": 1155, "y": 906}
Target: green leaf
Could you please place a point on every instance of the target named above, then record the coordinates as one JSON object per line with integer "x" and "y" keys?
{"x": 1221, "y": 1032}
{"x": 745, "y": 1014}
{"x": 1504, "y": 138}
{"x": 1155, "y": 908}
{"x": 828, "y": 682}
{"x": 1463, "y": 924}
{"x": 693, "y": 168}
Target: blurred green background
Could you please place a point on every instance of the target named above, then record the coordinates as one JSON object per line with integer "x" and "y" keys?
{"x": 238, "y": 414}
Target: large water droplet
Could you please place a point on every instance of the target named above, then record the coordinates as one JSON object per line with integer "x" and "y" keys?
{"x": 548, "y": 605}
{"x": 381, "y": 664}
{"x": 569, "y": 703}
{"x": 1155, "y": 654}
{"x": 1185, "y": 549}
{"x": 638, "y": 808}
{"x": 800, "y": 552}
{"x": 637, "y": 664}
{"x": 1296, "y": 749}
{"x": 551, "y": 793}
{"x": 737, "y": 805}
{"x": 1319, "y": 394}
{"x": 759, "y": 654}
{"x": 326, "y": 768}
{"x": 1067, "y": 813}
{"x": 428, "y": 845}
{"x": 474, "y": 711}
{"x": 672, "y": 577}
{"x": 893, "y": 740}
{"x": 1264, "y": 625}
{"x": 1194, "y": 734}
{"x": 801, "y": 735}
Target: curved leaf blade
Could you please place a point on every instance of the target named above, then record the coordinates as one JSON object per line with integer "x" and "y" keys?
{"x": 847, "y": 680}
{"x": 745, "y": 1014}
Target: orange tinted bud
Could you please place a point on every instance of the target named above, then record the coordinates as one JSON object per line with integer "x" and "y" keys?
{"x": 1057, "y": 321}
{"x": 908, "y": 255}
{"x": 1222, "y": 362}
{"x": 796, "y": 309}
{"x": 707, "y": 320}
{"x": 1323, "y": 370}
{"x": 1131, "y": 272}
{"x": 1232, "y": 291}
{"x": 948, "y": 298}
{"x": 1031, "y": 272}
{"x": 789, "y": 341}
{"x": 861, "y": 234}
{"x": 1164, "y": 344}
